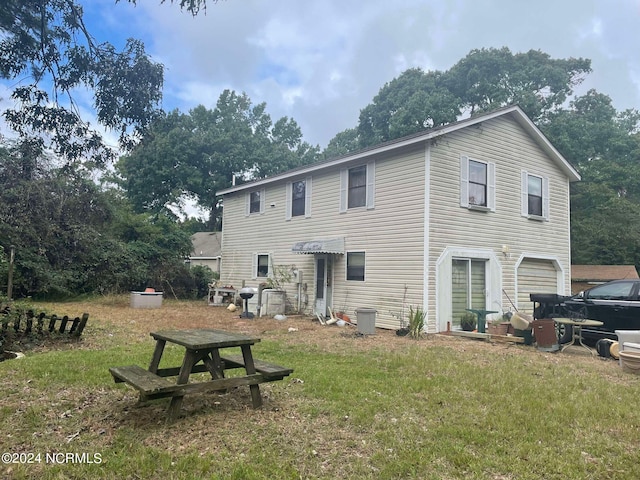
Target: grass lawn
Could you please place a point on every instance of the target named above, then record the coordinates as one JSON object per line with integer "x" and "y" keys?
{"x": 380, "y": 406}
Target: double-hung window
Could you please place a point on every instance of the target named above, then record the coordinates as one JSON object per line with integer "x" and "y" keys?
{"x": 535, "y": 196}
{"x": 254, "y": 202}
{"x": 298, "y": 198}
{"x": 355, "y": 266}
{"x": 298, "y": 195}
{"x": 357, "y": 195}
{"x": 477, "y": 184}
{"x": 260, "y": 265}
{"x": 357, "y": 187}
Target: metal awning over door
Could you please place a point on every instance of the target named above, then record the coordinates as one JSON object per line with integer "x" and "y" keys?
{"x": 331, "y": 245}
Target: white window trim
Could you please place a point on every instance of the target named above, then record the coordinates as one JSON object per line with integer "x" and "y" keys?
{"x": 493, "y": 280}
{"x": 247, "y": 198}
{"x": 254, "y": 265}
{"x": 464, "y": 185}
{"x": 288, "y": 214}
{"x": 371, "y": 188}
{"x": 346, "y": 265}
{"x": 524, "y": 201}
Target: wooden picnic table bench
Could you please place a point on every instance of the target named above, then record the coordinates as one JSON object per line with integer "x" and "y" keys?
{"x": 202, "y": 354}
{"x": 270, "y": 371}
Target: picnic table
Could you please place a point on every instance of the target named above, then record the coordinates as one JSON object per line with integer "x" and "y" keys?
{"x": 202, "y": 354}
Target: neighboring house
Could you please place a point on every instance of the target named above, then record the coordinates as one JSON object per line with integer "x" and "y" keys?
{"x": 587, "y": 276}
{"x": 473, "y": 214}
{"x": 206, "y": 250}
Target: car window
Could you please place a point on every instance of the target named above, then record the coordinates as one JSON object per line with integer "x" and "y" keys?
{"x": 611, "y": 291}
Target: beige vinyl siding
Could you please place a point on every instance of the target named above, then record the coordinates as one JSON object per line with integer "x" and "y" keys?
{"x": 535, "y": 276}
{"x": 391, "y": 234}
{"x": 503, "y": 142}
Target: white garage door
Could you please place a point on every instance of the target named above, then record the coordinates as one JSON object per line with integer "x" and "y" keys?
{"x": 535, "y": 276}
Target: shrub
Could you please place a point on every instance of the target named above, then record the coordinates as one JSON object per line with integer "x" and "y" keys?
{"x": 416, "y": 322}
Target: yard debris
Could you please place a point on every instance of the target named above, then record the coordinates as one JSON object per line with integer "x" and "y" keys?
{"x": 292, "y": 329}
{"x": 339, "y": 319}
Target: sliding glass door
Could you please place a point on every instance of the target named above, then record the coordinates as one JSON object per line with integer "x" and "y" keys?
{"x": 468, "y": 288}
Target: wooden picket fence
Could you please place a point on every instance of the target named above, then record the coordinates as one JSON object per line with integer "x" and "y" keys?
{"x": 29, "y": 323}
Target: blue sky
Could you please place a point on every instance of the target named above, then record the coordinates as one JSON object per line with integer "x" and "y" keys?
{"x": 321, "y": 61}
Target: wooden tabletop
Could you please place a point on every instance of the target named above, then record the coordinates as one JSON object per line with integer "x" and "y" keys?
{"x": 579, "y": 321}
{"x": 198, "y": 339}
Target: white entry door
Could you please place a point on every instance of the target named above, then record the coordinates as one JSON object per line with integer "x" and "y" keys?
{"x": 322, "y": 284}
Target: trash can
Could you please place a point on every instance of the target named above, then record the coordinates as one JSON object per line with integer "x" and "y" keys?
{"x": 366, "y": 320}
{"x": 544, "y": 331}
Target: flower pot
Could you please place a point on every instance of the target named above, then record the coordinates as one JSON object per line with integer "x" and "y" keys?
{"x": 468, "y": 327}
{"x": 499, "y": 328}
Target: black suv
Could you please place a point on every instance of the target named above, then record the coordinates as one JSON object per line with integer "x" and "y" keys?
{"x": 616, "y": 304}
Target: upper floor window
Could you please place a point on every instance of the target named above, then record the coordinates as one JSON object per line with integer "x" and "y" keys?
{"x": 255, "y": 202}
{"x": 357, "y": 187}
{"x": 534, "y": 193}
{"x": 477, "y": 184}
{"x": 298, "y": 198}
{"x": 535, "y": 196}
{"x": 357, "y": 195}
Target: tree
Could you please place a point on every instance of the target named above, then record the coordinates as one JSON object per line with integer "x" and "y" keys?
{"x": 72, "y": 237}
{"x": 410, "y": 103}
{"x": 343, "y": 143}
{"x": 46, "y": 46}
{"x": 599, "y": 141}
{"x": 487, "y": 79}
{"x": 605, "y": 206}
{"x": 194, "y": 155}
{"x": 484, "y": 80}
{"x": 191, "y": 6}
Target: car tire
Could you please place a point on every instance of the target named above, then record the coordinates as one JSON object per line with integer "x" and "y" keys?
{"x": 565, "y": 333}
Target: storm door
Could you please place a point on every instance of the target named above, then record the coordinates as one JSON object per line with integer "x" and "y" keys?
{"x": 321, "y": 284}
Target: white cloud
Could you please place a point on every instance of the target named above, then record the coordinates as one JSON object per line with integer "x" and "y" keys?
{"x": 321, "y": 61}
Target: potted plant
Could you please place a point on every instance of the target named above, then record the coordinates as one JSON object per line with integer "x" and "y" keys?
{"x": 498, "y": 326}
{"x": 468, "y": 322}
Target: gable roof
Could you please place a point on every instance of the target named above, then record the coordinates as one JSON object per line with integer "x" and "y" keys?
{"x": 602, "y": 273}
{"x": 206, "y": 245}
{"x": 515, "y": 112}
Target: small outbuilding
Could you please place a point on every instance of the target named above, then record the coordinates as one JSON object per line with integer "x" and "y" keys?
{"x": 206, "y": 250}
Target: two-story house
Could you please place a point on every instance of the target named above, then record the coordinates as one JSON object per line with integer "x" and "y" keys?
{"x": 474, "y": 214}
